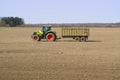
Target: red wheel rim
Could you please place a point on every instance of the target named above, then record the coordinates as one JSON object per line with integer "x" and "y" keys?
{"x": 50, "y": 37}
{"x": 35, "y": 38}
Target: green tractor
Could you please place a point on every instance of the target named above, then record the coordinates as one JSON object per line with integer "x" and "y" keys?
{"x": 45, "y": 33}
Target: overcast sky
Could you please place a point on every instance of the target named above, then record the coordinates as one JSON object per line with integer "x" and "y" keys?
{"x": 62, "y": 11}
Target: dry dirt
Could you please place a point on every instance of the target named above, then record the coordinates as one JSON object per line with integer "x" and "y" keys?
{"x": 23, "y": 59}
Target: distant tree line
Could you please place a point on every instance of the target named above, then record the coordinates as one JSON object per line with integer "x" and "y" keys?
{"x": 11, "y": 21}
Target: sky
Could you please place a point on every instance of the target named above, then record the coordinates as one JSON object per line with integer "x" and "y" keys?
{"x": 62, "y": 11}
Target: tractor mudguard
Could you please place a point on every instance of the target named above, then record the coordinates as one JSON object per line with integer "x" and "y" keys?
{"x": 50, "y": 32}
{"x": 34, "y": 33}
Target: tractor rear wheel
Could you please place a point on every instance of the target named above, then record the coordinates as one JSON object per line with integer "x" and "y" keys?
{"x": 50, "y": 37}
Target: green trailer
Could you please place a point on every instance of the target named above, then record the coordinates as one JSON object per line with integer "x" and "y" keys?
{"x": 79, "y": 34}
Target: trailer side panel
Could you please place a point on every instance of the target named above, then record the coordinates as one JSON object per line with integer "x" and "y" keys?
{"x": 73, "y": 32}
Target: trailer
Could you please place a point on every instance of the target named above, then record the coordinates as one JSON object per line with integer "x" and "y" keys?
{"x": 79, "y": 34}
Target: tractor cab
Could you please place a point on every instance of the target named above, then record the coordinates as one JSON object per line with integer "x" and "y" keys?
{"x": 46, "y": 28}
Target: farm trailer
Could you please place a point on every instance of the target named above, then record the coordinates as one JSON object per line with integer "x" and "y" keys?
{"x": 79, "y": 34}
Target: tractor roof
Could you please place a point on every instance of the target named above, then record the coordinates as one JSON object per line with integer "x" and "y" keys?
{"x": 47, "y": 25}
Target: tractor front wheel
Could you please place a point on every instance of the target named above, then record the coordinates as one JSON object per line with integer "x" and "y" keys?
{"x": 50, "y": 37}
{"x": 36, "y": 38}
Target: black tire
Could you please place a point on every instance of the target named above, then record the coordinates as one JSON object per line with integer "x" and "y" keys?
{"x": 77, "y": 38}
{"x": 50, "y": 36}
{"x": 83, "y": 39}
{"x": 39, "y": 38}
{"x": 73, "y": 37}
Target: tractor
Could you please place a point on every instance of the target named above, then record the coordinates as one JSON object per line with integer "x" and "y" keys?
{"x": 45, "y": 33}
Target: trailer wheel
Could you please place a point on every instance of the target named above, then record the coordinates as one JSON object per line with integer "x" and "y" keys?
{"x": 77, "y": 38}
{"x": 82, "y": 39}
{"x": 50, "y": 37}
{"x": 73, "y": 37}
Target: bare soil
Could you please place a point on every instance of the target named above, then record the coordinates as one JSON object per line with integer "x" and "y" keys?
{"x": 23, "y": 59}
